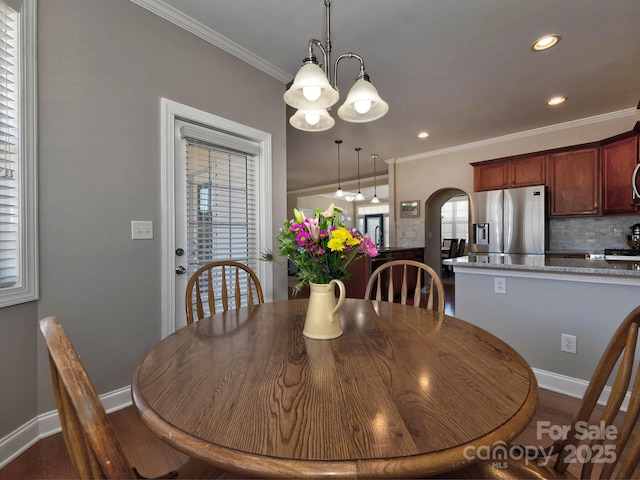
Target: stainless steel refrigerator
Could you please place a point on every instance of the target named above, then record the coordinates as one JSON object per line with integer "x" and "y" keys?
{"x": 509, "y": 221}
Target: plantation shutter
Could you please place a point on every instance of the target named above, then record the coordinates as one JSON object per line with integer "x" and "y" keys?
{"x": 9, "y": 151}
{"x": 221, "y": 176}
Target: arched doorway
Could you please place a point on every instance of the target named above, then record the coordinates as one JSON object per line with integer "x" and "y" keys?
{"x": 432, "y": 224}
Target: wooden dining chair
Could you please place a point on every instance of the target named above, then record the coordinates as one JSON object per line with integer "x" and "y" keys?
{"x": 615, "y": 457}
{"x": 461, "y": 246}
{"x": 451, "y": 253}
{"x": 92, "y": 445}
{"x": 396, "y": 279}
{"x": 210, "y": 285}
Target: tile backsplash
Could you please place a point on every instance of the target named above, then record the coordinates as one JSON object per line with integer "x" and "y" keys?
{"x": 409, "y": 233}
{"x": 590, "y": 234}
{"x": 570, "y": 234}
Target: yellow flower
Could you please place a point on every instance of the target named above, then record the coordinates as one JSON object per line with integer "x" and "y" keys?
{"x": 338, "y": 239}
{"x": 351, "y": 240}
{"x": 340, "y": 234}
{"x": 335, "y": 245}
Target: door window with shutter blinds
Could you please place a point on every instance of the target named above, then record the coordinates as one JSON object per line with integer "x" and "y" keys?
{"x": 221, "y": 185}
{"x": 18, "y": 262}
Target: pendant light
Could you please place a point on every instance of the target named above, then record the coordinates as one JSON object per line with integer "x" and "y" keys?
{"x": 375, "y": 198}
{"x": 359, "y": 196}
{"x": 339, "y": 193}
{"x": 315, "y": 89}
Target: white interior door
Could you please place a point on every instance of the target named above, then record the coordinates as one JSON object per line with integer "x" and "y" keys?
{"x": 182, "y": 196}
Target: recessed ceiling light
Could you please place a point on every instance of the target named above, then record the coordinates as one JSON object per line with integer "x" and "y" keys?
{"x": 423, "y": 134}
{"x": 545, "y": 42}
{"x": 556, "y": 100}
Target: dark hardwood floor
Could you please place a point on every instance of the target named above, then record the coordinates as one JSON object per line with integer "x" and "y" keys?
{"x": 48, "y": 458}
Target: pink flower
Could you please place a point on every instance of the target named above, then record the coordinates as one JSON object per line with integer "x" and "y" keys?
{"x": 312, "y": 225}
{"x": 302, "y": 238}
{"x": 367, "y": 246}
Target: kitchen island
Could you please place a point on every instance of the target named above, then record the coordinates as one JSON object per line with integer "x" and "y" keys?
{"x": 361, "y": 269}
{"x": 531, "y": 300}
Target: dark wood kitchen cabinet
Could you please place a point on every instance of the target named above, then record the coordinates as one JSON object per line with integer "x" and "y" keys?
{"x": 527, "y": 171}
{"x": 489, "y": 175}
{"x": 582, "y": 180}
{"x": 521, "y": 171}
{"x": 573, "y": 178}
{"x": 619, "y": 158}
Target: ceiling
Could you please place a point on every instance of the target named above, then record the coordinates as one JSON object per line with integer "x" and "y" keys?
{"x": 463, "y": 70}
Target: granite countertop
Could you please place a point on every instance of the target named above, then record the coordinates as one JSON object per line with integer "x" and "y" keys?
{"x": 398, "y": 249}
{"x": 544, "y": 263}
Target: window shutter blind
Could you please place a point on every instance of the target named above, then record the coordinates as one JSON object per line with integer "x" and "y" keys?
{"x": 9, "y": 174}
{"x": 222, "y": 200}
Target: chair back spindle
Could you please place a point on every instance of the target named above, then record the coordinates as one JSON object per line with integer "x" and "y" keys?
{"x": 213, "y": 282}
{"x": 410, "y": 274}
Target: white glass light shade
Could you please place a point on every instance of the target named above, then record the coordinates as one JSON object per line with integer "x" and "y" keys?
{"x": 359, "y": 197}
{"x": 339, "y": 193}
{"x": 311, "y": 89}
{"x": 349, "y": 198}
{"x": 312, "y": 120}
{"x": 375, "y": 199}
{"x": 359, "y": 97}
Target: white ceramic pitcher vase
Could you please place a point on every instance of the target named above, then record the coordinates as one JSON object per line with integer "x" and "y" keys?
{"x": 322, "y": 321}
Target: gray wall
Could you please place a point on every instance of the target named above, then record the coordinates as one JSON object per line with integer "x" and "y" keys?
{"x": 535, "y": 312}
{"x": 103, "y": 67}
{"x": 18, "y": 366}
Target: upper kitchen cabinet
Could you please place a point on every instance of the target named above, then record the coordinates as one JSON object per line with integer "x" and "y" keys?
{"x": 491, "y": 175}
{"x": 589, "y": 179}
{"x": 527, "y": 171}
{"x": 619, "y": 158}
{"x": 513, "y": 172}
{"x": 573, "y": 178}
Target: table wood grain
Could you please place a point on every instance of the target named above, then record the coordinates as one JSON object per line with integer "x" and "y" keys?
{"x": 403, "y": 392}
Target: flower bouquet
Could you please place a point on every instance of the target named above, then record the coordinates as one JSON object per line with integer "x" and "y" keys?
{"x": 321, "y": 247}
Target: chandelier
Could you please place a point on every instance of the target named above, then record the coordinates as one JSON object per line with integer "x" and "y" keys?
{"x": 314, "y": 90}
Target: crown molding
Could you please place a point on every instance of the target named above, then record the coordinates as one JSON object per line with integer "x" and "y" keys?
{"x": 187, "y": 23}
{"x": 630, "y": 112}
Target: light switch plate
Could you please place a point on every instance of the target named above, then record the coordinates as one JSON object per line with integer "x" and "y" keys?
{"x": 141, "y": 230}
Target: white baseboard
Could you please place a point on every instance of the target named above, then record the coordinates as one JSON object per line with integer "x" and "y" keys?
{"x": 48, "y": 423}
{"x": 18, "y": 441}
{"x": 573, "y": 387}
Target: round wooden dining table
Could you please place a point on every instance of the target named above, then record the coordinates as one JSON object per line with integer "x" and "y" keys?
{"x": 404, "y": 392}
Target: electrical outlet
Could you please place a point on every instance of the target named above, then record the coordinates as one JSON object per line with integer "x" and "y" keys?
{"x": 141, "y": 230}
{"x": 500, "y": 285}
{"x": 569, "y": 343}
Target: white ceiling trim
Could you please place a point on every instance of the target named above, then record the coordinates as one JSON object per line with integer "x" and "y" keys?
{"x": 630, "y": 112}
{"x": 189, "y": 24}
